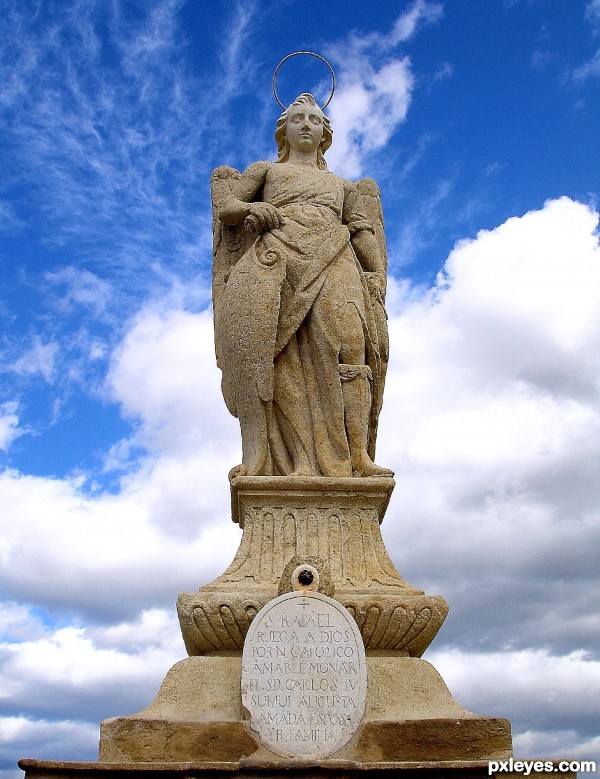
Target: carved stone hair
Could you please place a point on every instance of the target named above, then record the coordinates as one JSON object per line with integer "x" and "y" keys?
{"x": 283, "y": 147}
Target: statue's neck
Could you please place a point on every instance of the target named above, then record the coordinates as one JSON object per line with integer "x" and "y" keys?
{"x": 298, "y": 157}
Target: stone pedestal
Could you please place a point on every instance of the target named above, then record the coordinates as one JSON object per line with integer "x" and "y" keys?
{"x": 197, "y": 726}
{"x": 335, "y": 524}
{"x": 410, "y": 717}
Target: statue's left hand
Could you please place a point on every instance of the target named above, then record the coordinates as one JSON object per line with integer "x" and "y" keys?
{"x": 376, "y": 283}
{"x": 263, "y": 217}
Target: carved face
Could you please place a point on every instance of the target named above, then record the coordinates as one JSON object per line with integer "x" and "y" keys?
{"x": 304, "y": 127}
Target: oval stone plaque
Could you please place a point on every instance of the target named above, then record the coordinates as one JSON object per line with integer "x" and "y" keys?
{"x": 304, "y": 675}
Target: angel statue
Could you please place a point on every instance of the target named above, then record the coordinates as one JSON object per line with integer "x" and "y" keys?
{"x": 299, "y": 280}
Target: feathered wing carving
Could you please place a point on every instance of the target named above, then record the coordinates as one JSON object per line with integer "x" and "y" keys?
{"x": 371, "y": 197}
{"x": 229, "y": 241}
{"x": 247, "y": 278}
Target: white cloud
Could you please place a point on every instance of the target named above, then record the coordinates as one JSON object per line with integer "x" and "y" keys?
{"x": 39, "y": 360}
{"x": 9, "y": 221}
{"x": 45, "y": 739}
{"x": 82, "y": 289}
{"x": 85, "y": 674}
{"x": 592, "y": 13}
{"x": 168, "y": 528}
{"x": 80, "y": 671}
{"x": 491, "y": 421}
{"x": 9, "y": 424}
{"x": 417, "y": 227}
{"x": 66, "y": 550}
{"x": 589, "y": 69}
{"x": 518, "y": 307}
{"x": 367, "y": 109}
{"x": 118, "y": 143}
{"x": 530, "y": 686}
{"x": 374, "y": 89}
{"x": 234, "y": 57}
{"x": 164, "y": 374}
{"x": 566, "y": 744}
{"x": 421, "y": 11}
{"x": 17, "y": 623}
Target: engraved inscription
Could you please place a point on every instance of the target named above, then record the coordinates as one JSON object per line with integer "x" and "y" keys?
{"x": 304, "y": 675}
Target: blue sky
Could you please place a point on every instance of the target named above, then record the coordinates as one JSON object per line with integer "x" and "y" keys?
{"x": 479, "y": 121}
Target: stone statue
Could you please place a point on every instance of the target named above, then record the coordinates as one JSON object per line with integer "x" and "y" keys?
{"x": 299, "y": 281}
{"x": 307, "y": 647}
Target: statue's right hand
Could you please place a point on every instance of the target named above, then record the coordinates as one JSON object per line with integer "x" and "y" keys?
{"x": 263, "y": 217}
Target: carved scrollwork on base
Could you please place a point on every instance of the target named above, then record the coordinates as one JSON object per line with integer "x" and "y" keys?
{"x": 219, "y": 621}
{"x": 210, "y": 623}
{"x": 387, "y": 624}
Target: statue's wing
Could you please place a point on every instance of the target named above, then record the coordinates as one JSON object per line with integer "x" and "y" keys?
{"x": 371, "y": 197}
{"x": 246, "y": 333}
{"x": 229, "y": 241}
{"x": 246, "y": 286}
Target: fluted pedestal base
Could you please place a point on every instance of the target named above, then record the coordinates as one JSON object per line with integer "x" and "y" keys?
{"x": 332, "y": 524}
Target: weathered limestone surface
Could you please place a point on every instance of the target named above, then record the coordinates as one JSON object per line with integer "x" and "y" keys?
{"x": 336, "y": 521}
{"x": 333, "y": 525}
{"x": 304, "y": 676}
{"x": 299, "y": 280}
{"x": 410, "y": 716}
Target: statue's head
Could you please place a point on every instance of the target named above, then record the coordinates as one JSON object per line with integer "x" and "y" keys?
{"x": 283, "y": 147}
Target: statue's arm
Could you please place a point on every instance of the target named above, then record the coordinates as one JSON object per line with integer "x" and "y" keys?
{"x": 242, "y": 205}
{"x": 362, "y": 237}
{"x": 368, "y": 254}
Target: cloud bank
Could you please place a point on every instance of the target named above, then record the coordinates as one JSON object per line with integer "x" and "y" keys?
{"x": 491, "y": 421}
{"x": 491, "y": 417}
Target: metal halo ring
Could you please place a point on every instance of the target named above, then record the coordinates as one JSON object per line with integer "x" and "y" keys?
{"x": 312, "y": 54}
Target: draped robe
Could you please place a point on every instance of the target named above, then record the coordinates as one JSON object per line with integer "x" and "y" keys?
{"x": 280, "y": 327}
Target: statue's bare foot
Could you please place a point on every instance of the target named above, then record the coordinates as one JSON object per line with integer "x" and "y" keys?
{"x": 367, "y": 468}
